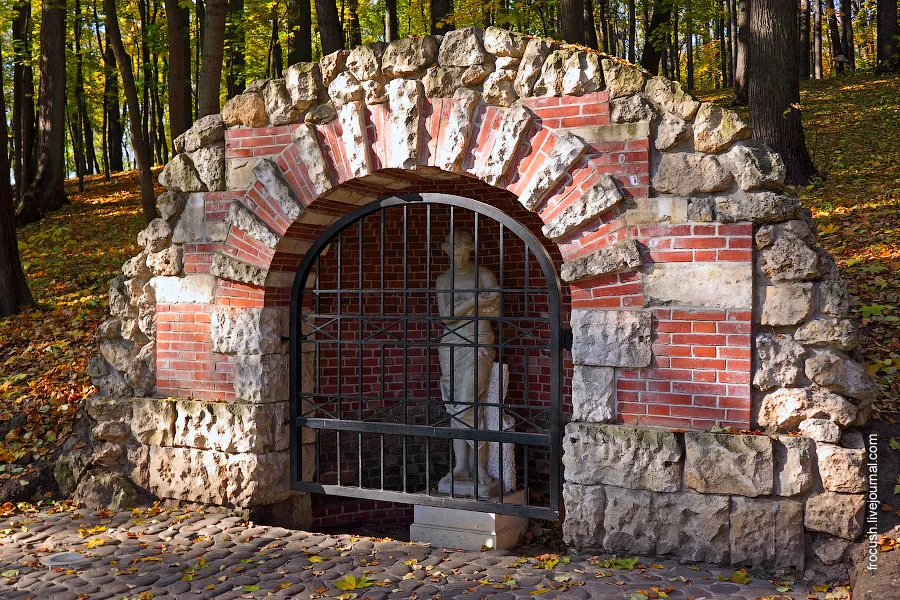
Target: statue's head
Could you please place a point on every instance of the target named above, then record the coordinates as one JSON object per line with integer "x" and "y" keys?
{"x": 462, "y": 245}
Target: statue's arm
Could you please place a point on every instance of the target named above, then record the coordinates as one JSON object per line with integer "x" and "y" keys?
{"x": 488, "y": 302}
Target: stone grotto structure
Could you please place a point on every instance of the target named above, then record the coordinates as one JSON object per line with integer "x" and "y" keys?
{"x": 700, "y": 306}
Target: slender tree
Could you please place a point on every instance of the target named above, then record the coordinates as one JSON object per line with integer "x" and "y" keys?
{"x": 689, "y": 47}
{"x": 138, "y": 141}
{"x": 235, "y": 81}
{"x": 354, "y": 32}
{"x": 211, "y": 56}
{"x": 299, "y": 18}
{"x": 887, "y": 55}
{"x": 441, "y": 15}
{"x": 46, "y": 191}
{"x": 817, "y": 39}
{"x": 632, "y": 32}
{"x": 774, "y": 99}
{"x": 274, "y": 64}
{"x": 654, "y": 42}
{"x": 571, "y": 20}
{"x": 590, "y": 27}
{"x": 847, "y": 36}
{"x": 14, "y": 292}
{"x": 804, "y": 39}
{"x": 23, "y": 98}
{"x": 178, "y": 23}
{"x": 837, "y": 52}
{"x": 391, "y": 26}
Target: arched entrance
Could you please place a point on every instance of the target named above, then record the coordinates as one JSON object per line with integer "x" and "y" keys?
{"x": 378, "y": 371}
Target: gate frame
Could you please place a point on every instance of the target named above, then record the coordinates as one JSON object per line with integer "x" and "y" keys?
{"x": 554, "y": 441}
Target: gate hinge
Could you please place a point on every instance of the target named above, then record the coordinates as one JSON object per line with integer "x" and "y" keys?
{"x": 567, "y": 338}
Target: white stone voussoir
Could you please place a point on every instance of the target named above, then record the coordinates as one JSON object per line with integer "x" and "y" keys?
{"x": 566, "y": 152}
{"x": 268, "y": 174}
{"x": 458, "y": 129}
{"x": 516, "y": 121}
{"x": 307, "y": 143}
{"x": 405, "y": 102}
{"x": 354, "y": 139}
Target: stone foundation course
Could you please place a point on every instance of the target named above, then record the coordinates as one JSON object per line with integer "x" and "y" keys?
{"x": 700, "y": 304}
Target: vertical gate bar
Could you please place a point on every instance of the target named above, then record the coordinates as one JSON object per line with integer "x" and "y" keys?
{"x": 527, "y": 371}
{"x": 361, "y": 312}
{"x": 405, "y": 339}
{"x": 452, "y": 357}
{"x": 381, "y": 356}
{"x": 340, "y": 345}
{"x": 384, "y": 210}
{"x": 500, "y": 364}
{"x": 382, "y": 459}
{"x": 428, "y": 334}
{"x": 476, "y": 338}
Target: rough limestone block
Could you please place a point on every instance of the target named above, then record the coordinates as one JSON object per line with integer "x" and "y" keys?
{"x": 715, "y": 128}
{"x": 598, "y": 199}
{"x": 699, "y": 285}
{"x": 625, "y": 521}
{"x": 118, "y": 353}
{"x": 141, "y": 374}
{"x": 767, "y": 533}
{"x": 686, "y": 173}
{"x": 463, "y": 47}
{"x": 777, "y": 361}
{"x": 279, "y": 104}
{"x": 755, "y": 166}
{"x": 345, "y": 88}
{"x": 191, "y": 225}
{"x": 767, "y": 234}
{"x": 501, "y": 42}
{"x": 458, "y": 129}
{"x": 758, "y": 207}
{"x": 136, "y": 266}
{"x": 611, "y": 338}
{"x": 243, "y": 219}
{"x": 584, "y": 504}
{"x": 227, "y": 267}
{"x": 830, "y": 550}
{"x": 239, "y": 173}
{"x": 622, "y": 79}
{"x": 441, "y": 82}
{"x": 212, "y": 477}
{"x": 205, "y": 131}
{"x": 619, "y": 257}
{"x": 671, "y": 97}
{"x": 353, "y": 136}
{"x": 108, "y": 409}
{"x": 261, "y": 378}
{"x": 191, "y": 289}
{"x": 789, "y": 259}
{"x": 409, "y": 56}
{"x": 364, "y": 62}
{"x": 406, "y": 109}
{"x": 842, "y": 469}
{"x": 820, "y": 430}
{"x": 516, "y": 121}
{"x": 268, "y": 174}
{"x": 840, "y": 515}
{"x": 793, "y": 465}
{"x": 311, "y": 155}
{"x": 644, "y": 459}
{"x": 499, "y": 88}
{"x": 550, "y": 82}
{"x": 786, "y": 303}
{"x": 833, "y": 298}
{"x": 593, "y": 394}
{"x": 156, "y": 236}
{"x": 303, "y": 82}
{"x": 670, "y": 130}
{"x": 631, "y": 109}
{"x": 840, "y": 373}
{"x": 693, "y": 527}
{"x": 565, "y": 153}
{"x": 839, "y": 333}
{"x": 180, "y": 175}
{"x": 321, "y": 114}
{"x": 729, "y": 464}
{"x": 249, "y": 330}
{"x": 231, "y": 427}
{"x": 168, "y": 262}
{"x": 536, "y": 52}
{"x": 153, "y": 421}
{"x": 785, "y": 408}
{"x": 245, "y": 110}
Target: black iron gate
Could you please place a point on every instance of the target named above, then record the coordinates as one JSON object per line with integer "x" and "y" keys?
{"x": 368, "y": 412}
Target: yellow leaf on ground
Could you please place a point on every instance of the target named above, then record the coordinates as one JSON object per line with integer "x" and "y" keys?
{"x": 95, "y": 542}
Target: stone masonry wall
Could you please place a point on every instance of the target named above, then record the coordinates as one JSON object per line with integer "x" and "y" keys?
{"x": 699, "y": 297}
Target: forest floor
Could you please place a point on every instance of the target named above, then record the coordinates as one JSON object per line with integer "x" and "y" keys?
{"x": 71, "y": 255}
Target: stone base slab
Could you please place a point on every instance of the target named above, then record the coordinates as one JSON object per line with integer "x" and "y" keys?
{"x": 466, "y": 529}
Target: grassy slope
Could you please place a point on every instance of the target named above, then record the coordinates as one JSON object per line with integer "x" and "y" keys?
{"x": 853, "y": 126}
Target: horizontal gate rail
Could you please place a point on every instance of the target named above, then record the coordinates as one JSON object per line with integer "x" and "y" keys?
{"x": 481, "y": 435}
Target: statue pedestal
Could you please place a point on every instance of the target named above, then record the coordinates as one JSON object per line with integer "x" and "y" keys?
{"x": 466, "y": 529}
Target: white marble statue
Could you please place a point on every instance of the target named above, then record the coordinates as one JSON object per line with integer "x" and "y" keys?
{"x": 462, "y": 381}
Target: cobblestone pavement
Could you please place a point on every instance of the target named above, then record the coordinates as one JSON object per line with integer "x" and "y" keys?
{"x": 167, "y": 554}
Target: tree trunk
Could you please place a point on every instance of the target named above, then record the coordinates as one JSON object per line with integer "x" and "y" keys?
{"x": 590, "y": 28}
{"x": 299, "y": 16}
{"x": 441, "y": 16}
{"x": 329, "y": 26}
{"x": 837, "y": 52}
{"x": 676, "y": 59}
{"x": 604, "y": 27}
{"x": 632, "y": 32}
{"x": 139, "y": 143}
{"x": 14, "y": 292}
{"x": 804, "y": 39}
{"x": 775, "y": 99}
{"x": 655, "y": 39}
{"x": 354, "y": 32}
{"x": 817, "y": 39}
{"x": 887, "y": 55}
{"x": 114, "y": 112}
{"x": 847, "y": 36}
{"x": 46, "y": 192}
{"x": 723, "y": 49}
{"x": 23, "y": 98}
{"x": 235, "y": 82}
{"x": 571, "y": 21}
{"x": 690, "y": 47}
{"x": 391, "y": 26}
{"x": 730, "y": 45}
{"x": 274, "y": 66}
{"x": 212, "y": 55}
{"x": 742, "y": 64}
{"x": 178, "y": 22}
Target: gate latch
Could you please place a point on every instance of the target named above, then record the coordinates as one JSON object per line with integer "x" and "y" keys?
{"x": 567, "y": 338}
